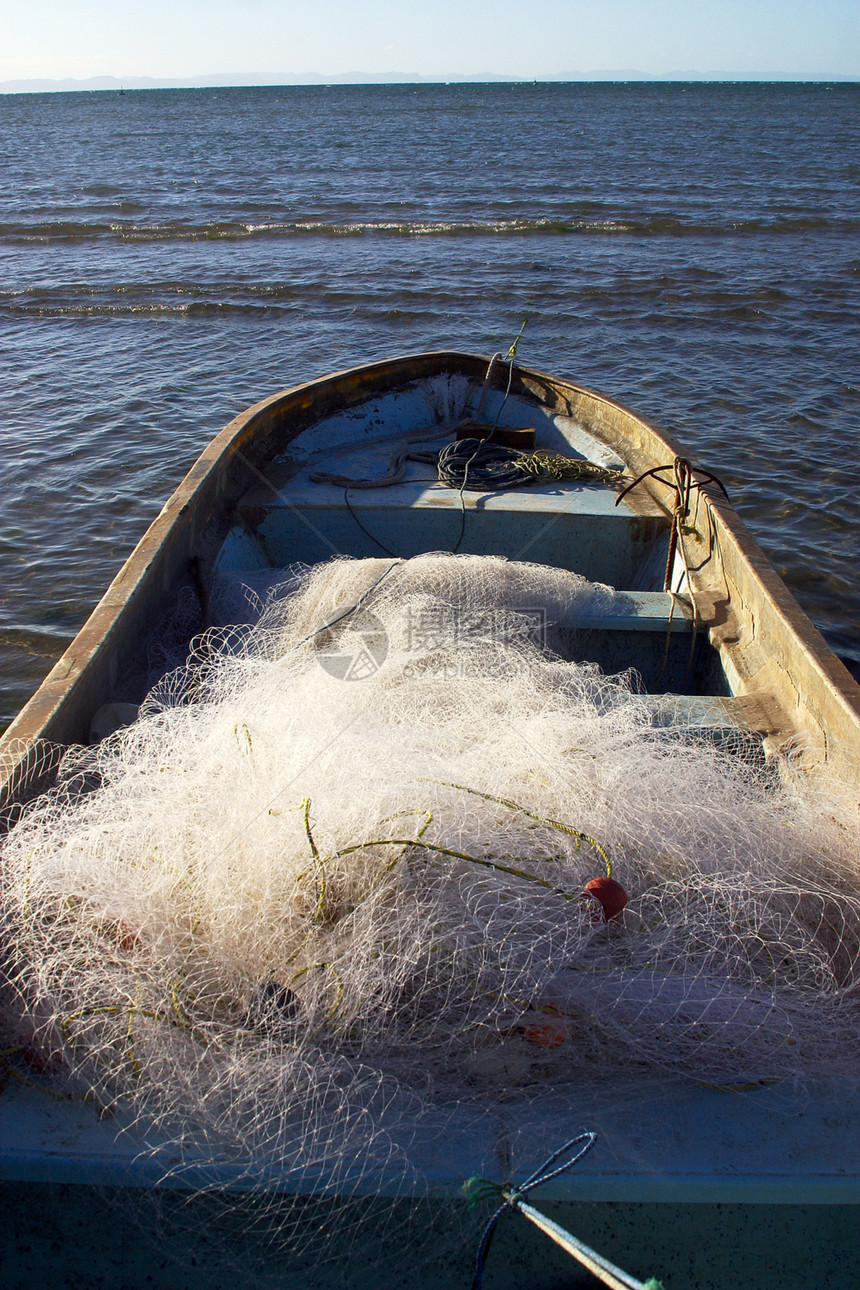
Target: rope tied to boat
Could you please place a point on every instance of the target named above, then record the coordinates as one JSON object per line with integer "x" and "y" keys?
{"x": 514, "y": 1197}
{"x": 685, "y": 479}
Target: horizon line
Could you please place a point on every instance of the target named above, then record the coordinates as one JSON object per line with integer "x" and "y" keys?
{"x": 224, "y": 80}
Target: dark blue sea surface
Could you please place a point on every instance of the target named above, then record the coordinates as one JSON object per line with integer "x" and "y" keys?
{"x": 169, "y": 257}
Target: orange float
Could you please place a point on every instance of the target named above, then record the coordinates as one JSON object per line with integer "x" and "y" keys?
{"x": 609, "y": 893}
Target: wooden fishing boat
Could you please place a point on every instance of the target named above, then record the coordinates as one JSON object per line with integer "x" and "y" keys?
{"x": 718, "y": 641}
{"x": 248, "y": 502}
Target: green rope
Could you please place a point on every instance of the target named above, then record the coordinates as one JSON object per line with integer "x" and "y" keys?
{"x": 512, "y": 351}
{"x": 459, "y": 855}
{"x": 514, "y": 1197}
{"x": 338, "y": 980}
{"x": 483, "y": 466}
{"x": 540, "y": 819}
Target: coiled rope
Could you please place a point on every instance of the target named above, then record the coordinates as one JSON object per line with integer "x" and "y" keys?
{"x": 479, "y": 465}
{"x": 513, "y": 1197}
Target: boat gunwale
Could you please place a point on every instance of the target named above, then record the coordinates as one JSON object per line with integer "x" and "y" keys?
{"x": 206, "y": 495}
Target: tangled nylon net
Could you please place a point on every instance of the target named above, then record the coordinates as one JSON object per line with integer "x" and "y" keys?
{"x": 332, "y": 880}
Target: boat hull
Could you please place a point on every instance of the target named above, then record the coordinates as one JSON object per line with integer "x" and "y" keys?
{"x": 769, "y": 650}
{"x": 688, "y": 1175}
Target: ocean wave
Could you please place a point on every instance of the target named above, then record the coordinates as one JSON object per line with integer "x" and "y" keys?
{"x": 666, "y": 298}
{"x": 201, "y": 309}
{"x": 199, "y": 300}
{"x": 220, "y": 230}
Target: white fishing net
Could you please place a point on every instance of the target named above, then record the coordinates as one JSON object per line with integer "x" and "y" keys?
{"x": 331, "y": 883}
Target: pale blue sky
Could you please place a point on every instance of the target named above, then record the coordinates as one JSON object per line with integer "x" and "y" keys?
{"x": 272, "y": 40}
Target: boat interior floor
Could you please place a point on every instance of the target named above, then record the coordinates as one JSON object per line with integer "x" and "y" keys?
{"x": 290, "y": 517}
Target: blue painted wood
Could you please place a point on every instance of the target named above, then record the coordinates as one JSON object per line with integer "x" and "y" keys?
{"x": 611, "y": 548}
{"x": 566, "y": 525}
{"x": 641, "y": 611}
{"x": 667, "y": 1141}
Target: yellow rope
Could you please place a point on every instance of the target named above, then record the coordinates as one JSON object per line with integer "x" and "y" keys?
{"x": 9, "y": 1069}
{"x": 459, "y": 855}
{"x": 555, "y": 465}
{"x": 319, "y": 866}
{"x": 180, "y": 1016}
{"x": 338, "y": 983}
{"x": 540, "y": 819}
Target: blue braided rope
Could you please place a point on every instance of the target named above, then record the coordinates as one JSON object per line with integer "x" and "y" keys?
{"x": 483, "y": 1188}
